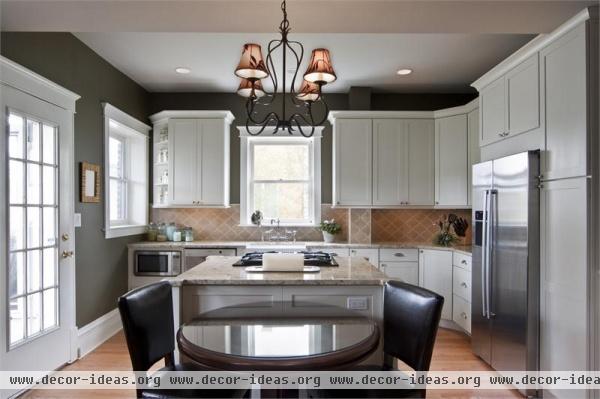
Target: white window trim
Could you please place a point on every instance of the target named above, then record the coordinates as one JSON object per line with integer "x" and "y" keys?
{"x": 245, "y": 158}
{"x": 115, "y": 114}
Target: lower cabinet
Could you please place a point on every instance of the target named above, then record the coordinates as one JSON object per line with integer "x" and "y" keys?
{"x": 436, "y": 275}
{"x": 370, "y": 254}
{"x": 407, "y": 272}
{"x": 461, "y": 289}
{"x": 461, "y": 313}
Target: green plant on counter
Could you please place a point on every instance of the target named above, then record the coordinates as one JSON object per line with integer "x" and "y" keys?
{"x": 445, "y": 237}
{"x": 330, "y": 226}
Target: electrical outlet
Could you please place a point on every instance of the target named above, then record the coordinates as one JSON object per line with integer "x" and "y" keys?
{"x": 357, "y": 303}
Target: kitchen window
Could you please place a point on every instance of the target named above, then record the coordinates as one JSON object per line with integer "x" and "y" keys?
{"x": 126, "y": 173}
{"x": 281, "y": 178}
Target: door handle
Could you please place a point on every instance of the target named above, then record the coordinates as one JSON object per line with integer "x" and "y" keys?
{"x": 65, "y": 237}
{"x": 67, "y": 254}
{"x": 484, "y": 252}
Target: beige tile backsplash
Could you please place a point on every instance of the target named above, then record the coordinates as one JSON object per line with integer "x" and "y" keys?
{"x": 359, "y": 226}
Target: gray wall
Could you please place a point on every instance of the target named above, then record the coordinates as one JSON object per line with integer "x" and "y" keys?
{"x": 235, "y": 103}
{"x": 101, "y": 264}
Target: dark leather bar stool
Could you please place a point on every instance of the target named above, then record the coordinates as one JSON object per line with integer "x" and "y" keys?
{"x": 411, "y": 316}
{"x": 147, "y": 316}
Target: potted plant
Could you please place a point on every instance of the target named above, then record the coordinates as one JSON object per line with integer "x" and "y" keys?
{"x": 445, "y": 237}
{"x": 329, "y": 228}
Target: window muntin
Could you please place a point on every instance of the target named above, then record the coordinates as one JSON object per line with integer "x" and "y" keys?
{"x": 281, "y": 179}
{"x": 33, "y": 273}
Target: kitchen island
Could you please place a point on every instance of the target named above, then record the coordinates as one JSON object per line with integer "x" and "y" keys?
{"x": 355, "y": 284}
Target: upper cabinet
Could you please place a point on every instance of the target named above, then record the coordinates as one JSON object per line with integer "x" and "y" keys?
{"x": 191, "y": 158}
{"x": 565, "y": 85}
{"x": 352, "y": 162}
{"x": 452, "y": 166}
{"x": 389, "y": 158}
{"x": 510, "y": 105}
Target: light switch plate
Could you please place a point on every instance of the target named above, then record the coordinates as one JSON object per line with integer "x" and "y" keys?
{"x": 77, "y": 220}
{"x": 357, "y": 303}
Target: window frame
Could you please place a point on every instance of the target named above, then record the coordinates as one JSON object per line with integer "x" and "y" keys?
{"x": 246, "y": 171}
{"x": 136, "y": 131}
{"x": 122, "y": 179}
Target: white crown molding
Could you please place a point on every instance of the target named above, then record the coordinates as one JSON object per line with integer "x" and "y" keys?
{"x": 23, "y": 79}
{"x": 534, "y": 46}
{"x": 94, "y": 334}
{"x": 123, "y": 118}
{"x": 268, "y": 132}
{"x": 164, "y": 115}
{"x": 463, "y": 109}
{"x": 333, "y": 115}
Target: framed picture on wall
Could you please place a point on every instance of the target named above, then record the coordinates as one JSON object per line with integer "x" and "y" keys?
{"x": 90, "y": 182}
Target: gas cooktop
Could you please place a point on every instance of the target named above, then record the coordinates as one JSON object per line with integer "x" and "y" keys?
{"x": 310, "y": 259}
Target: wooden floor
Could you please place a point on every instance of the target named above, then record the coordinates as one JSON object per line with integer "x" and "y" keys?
{"x": 452, "y": 352}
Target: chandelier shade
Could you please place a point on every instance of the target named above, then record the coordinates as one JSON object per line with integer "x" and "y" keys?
{"x": 250, "y": 87}
{"x": 251, "y": 64}
{"x": 320, "y": 70}
{"x": 309, "y": 91}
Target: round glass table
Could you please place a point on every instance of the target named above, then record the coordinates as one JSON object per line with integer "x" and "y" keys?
{"x": 278, "y": 336}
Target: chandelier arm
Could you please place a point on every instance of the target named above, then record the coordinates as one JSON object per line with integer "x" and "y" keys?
{"x": 250, "y": 110}
{"x": 294, "y": 119}
{"x": 270, "y": 65}
{"x": 326, "y": 113}
{"x": 271, "y": 116}
{"x": 298, "y": 62}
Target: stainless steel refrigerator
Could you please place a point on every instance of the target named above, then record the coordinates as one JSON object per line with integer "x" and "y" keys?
{"x": 505, "y": 297}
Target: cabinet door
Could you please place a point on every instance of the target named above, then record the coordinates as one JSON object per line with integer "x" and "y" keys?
{"x": 493, "y": 112}
{"x": 421, "y": 161}
{"x": 474, "y": 152}
{"x": 370, "y": 254}
{"x": 523, "y": 86}
{"x": 353, "y": 166}
{"x": 451, "y": 166}
{"x": 183, "y": 161}
{"x": 564, "y": 271}
{"x": 407, "y": 272}
{"x": 390, "y": 162}
{"x": 564, "y": 77}
{"x": 435, "y": 274}
{"x": 213, "y": 169}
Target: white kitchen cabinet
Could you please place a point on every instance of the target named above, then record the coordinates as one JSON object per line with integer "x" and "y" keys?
{"x": 370, "y": 254}
{"x": 197, "y": 171}
{"x": 421, "y": 161}
{"x": 435, "y": 274}
{"x": 451, "y": 154}
{"x": 407, "y": 272}
{"x": 565, "y": 84}
{"x": 461, "y": 313}
{"x": 493, "y": 111}
{"x": 352, "y": 160}
{"x": 564, "y": 274}
{"x": 474, "y": 152}
{"x": 390, "y": 162}
{"x": 510, "y": 105}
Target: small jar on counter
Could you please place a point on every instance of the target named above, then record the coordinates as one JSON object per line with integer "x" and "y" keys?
{"x": 170, "y": 229}
{"x": 188, "y": 234}
{"x": 177, "y": 236}
{"x": 152, "y": 232}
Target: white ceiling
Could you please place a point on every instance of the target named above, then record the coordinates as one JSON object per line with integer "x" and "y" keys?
{"x": 441, "y": 62}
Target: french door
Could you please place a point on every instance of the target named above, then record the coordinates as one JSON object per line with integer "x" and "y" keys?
{"x": 38, "y": 259}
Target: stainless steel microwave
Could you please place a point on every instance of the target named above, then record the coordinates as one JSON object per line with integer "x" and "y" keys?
{"x": 157, "y": 263}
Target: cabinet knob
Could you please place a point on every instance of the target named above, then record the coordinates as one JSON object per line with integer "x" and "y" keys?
{"x": 399, "y": 254}
{"x": 464, "y": 315}
{"x": 437, "y": 202}
{"x": 464, "y": 262}
{"x": 463, "y": 284}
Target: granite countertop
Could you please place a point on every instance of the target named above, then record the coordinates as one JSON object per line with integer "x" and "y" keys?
{"x": 217, "y": 270}
{"x": 464, "y": 249}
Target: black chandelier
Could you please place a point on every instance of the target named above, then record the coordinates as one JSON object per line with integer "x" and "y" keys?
{"x": 252, "y": 69}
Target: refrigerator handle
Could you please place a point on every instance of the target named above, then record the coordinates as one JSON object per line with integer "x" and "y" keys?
{"x": 489, "y": 244}
{"x": 484, "y": 253}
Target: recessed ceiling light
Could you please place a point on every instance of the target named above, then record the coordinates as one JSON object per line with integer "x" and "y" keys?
{"x": 183, "y": 70}
{"x": 404, "y": 71}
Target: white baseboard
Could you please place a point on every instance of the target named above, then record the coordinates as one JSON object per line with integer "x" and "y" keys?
{"x": 92, "y": 335}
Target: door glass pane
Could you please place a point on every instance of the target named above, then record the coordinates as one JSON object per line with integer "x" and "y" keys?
{"x": 16, "y": 138}
{"x": 33, "y": 227}
{"x": 16, "y": 182}
{"x": 33, "y": 141}
{"x": 17, "y": 228}
{"x": 49, "y": 308}
{"x": 49, "y": 273}
{"x": 33, "y": 184}
{"x": 34, "y": 313}
{"x": 33, "y": 270}
{"x": 48, "y": 185}
{"x": 49, "y": 223}
{"x": 16, "y": 313}
{"x": 49, "y": 144}
{"x": 16, "y": 274}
